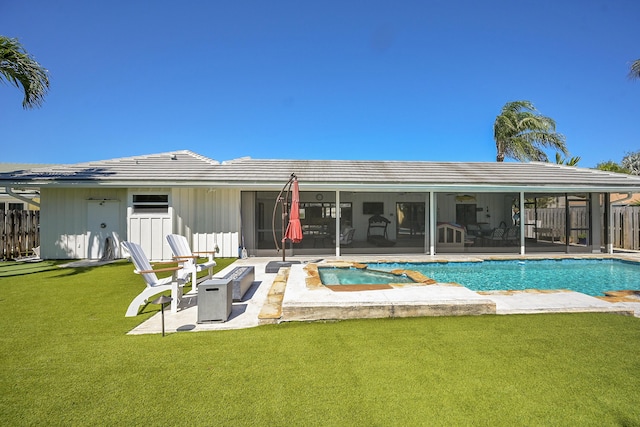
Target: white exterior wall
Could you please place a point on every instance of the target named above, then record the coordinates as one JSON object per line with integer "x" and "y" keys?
{"x": 63, "y": 221}
{"x": 499, "y": 206}
{"x": 149, "y": 229}
{"x": 208, "y": 217}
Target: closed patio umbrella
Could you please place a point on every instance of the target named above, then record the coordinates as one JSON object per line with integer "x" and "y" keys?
{"x": 294, "y": 229}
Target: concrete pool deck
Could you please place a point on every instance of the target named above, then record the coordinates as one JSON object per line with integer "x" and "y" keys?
{"x": 284, "y": 296}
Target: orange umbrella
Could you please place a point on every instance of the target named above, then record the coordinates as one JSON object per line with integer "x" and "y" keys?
{"x": 294, "y": 229}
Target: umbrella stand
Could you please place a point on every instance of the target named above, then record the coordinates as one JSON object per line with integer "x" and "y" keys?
{"x": 283, "y": 201}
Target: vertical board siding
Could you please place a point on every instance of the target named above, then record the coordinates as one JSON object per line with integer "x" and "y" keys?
{"x": 63, "y": 222}
{"x": 208, "y": 218}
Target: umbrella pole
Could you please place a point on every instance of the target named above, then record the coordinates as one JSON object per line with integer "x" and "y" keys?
{"x": 283, "y": 203}
{"x": 284, "y": 240}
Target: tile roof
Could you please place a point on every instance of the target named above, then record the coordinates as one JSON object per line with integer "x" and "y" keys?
{"x": 185, "y": 168}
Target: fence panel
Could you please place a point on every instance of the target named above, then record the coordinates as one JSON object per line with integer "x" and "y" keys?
{"x": 626, "y": 227}
{"x": 19, "y": 233}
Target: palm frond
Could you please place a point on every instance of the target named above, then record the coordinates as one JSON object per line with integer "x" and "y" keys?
{"x": 634, "y": 72}
{"x": 19, "y": 68}
{"x": 520, "y": 132}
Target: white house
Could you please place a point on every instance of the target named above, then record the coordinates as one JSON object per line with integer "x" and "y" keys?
{"x": 392, "y": 206}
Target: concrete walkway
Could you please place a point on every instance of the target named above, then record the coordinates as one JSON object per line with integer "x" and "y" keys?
{"x": 298, "y": 303}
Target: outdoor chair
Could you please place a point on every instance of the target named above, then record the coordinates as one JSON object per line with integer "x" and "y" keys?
{"x": 496, "y": 237}
{"x": 143, "y": 267}
{"x": 512, "y": 236}
{"x": 346, "y": 237}
{"x": 182, "y": 252}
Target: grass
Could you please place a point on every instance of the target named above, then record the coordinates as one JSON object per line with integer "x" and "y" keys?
{"x": 66, "y": 360}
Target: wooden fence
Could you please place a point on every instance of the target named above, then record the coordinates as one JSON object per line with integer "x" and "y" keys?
{"x": 19, "y": 233}
{"x": 625, "y": 230}
{"x": 626, "y": 227}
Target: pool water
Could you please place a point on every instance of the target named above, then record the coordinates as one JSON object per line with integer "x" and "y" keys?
{"x": 359, "y": 276}
{"x": 591, "y": 277}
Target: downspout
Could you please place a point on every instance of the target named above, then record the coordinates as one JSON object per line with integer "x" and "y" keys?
{"x": 629, "y": 196}
{"x": 21, "y": 198}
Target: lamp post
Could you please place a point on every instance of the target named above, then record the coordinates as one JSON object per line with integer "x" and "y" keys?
{"x": 162, "y": 300}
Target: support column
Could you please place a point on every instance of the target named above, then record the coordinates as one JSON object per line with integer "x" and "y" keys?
{"x": 608, "y": 221}
{"x": 596, "y": 223}
{"x": 521, "y": 207}
{"x": 432, "y": 224}
{"x": 337, "y": 233}
{"x": 426, "y": 246}
{"x": 567, "y": 223}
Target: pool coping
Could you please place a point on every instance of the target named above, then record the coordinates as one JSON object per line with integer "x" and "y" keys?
{"x": 265, "y": 301}
{"x": 305, "y": 298}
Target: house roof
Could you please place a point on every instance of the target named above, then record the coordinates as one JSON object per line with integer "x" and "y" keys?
{"x": 10, "y": 167}
{"x": 187, "y": 169}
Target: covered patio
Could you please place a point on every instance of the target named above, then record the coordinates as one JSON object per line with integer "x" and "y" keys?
{"x": 440, "y": 222}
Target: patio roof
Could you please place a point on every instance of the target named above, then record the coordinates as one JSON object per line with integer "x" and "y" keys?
{"x": 187, "y": 169}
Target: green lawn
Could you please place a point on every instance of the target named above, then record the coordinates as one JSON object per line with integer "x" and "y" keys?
{"x": 66, "y": 360}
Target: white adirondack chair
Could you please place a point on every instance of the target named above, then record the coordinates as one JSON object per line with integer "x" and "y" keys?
{"x": 154, "y": 285}
{"x": 182, "y": 252}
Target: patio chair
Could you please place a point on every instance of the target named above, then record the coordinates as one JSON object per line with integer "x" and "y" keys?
{"x": 182, "y": 252}
{"x": 175, "y": 282}
{"x": 346, "y": 237}
{"x": 512, "y": 236}
{"x": 496, "y": 237}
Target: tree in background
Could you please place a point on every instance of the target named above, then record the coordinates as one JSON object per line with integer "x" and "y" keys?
{"x": 634, "y": 72}
{"x": 573, "y": 161}
{"x": 521, "y": 132}
{"x": 631, "y": 162}
{"x": 611, "y": 166}
{"x": 20, "y": 69}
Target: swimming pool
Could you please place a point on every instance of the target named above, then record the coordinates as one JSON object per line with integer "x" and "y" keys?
{"x": 590, "y": 276}
{"x": 359, "y": 276}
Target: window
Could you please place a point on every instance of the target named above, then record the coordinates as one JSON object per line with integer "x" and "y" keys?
{"x": 150, "y": 203}
{"x": 16, "y": 206}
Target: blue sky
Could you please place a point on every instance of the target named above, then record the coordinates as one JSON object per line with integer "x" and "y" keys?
{"x": 370, "y": 80}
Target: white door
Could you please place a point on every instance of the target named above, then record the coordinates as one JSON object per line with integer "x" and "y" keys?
{"x": 103, "y": 222}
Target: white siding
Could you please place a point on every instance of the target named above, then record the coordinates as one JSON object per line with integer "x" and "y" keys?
{"x": 149, "y": 230}
{"x": 208, "y": 218}
{"x": 63, "y": 221}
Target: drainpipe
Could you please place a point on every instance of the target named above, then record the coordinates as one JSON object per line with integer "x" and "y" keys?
{"x": 629, "y": 196}
{"x": 20, "y": 197}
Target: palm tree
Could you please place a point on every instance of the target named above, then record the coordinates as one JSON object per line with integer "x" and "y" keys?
{"x": 634, "y": 72}
{"x": 611, "y": 166}
{"x": 573, "y": 161}
{"x": 520, "y": 133}
{"x": 20, "y": 69}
